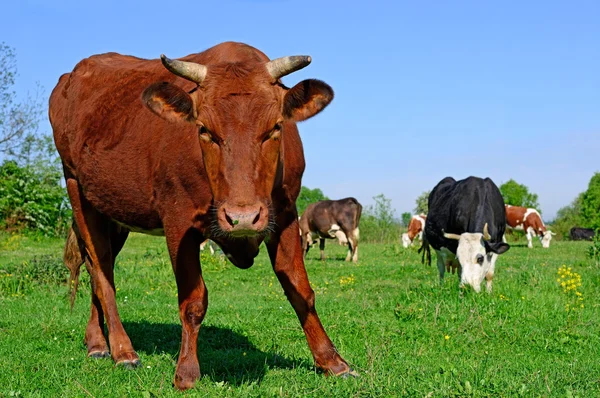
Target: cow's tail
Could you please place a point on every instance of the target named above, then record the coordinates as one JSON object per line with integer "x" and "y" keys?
{"x": 425, "y": 249}
{"x": 73, "y": 259}
{"x": 357, "y": 219}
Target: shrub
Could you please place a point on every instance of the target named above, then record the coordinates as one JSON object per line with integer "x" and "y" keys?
{"x": 17, "y": 279}
{"x": 31, "y": 197}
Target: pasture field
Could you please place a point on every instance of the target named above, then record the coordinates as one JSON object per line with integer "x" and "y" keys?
{"x": 388, "y": 316}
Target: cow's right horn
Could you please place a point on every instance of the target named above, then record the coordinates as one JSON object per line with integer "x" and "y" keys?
{"x": 285, "y": 65}
{"x": 451, "y": 236}
{"x": 188, "y": 70}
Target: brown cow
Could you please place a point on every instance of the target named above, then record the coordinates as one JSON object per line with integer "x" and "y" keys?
{"x": 329, "y": 219}
{"x": 204, "y": 147}
{"x": 530, "y": 221}
{"x": 415, "y": 228}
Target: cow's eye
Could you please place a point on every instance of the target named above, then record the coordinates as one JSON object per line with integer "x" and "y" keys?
{"x": 480, "y": 259}
{"x": 275, "y": 132}
{"x": 205, "y": 135}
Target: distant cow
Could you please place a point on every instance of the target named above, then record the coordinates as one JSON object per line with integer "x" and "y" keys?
{"x": 212, "y": 246}
{"x": 415, "y": 229}
{"x": 577, "y": 233}
{"x": 329, "y": 219}
{"x": 530, "y": 221}
{"x": 465, "y": 225}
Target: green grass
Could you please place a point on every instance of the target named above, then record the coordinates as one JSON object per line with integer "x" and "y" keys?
{"x": 388, "y": 316}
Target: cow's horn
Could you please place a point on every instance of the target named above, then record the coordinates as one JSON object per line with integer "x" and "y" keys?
{"x": 486, "y": 233}
{"x": 188, "y": 70}
{"x": 451, "y": 236}
{"x": 285, "y": 65}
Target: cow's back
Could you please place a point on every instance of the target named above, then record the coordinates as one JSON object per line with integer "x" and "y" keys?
{"x": 322, "y": 215}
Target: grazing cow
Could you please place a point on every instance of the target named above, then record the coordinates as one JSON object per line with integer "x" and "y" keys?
{"x": 329, "y": 219}
{"x": 530, "y": 221}
{"x": 465, "y": 224}
{"x": 203, "y": 147}
{"x": 577, "y": 233}
{"x": 415, "y": 229}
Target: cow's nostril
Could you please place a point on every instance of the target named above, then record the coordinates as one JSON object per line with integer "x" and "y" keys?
{"x": 256, "y": 218}
{"x": 230, "y": 221}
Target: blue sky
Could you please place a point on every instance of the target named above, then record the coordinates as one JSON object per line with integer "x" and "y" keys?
{"x": 423, "y": 89}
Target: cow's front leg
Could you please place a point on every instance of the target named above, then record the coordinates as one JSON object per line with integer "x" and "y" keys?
{"x": 529, "y": 242}
{"x": 184, "y": 249}
{"x": 322, "y": 248}
{"x": 285, "y": 252}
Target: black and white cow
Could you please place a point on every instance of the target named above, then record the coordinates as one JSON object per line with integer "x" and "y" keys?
{"x": 577, "y": 233}
{"x": 330, "y": 219}
{"x": 465, "y": 225}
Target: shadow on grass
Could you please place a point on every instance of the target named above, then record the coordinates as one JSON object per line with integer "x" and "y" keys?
{"x": 224, "y": 355}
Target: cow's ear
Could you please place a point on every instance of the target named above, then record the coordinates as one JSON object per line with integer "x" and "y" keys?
{"x": 498, "y": 247}
{"x": 169, "y": 102}
{"x": 306, "y": 99}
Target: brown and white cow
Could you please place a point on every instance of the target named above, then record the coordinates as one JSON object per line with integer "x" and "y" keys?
{"x": 332, "y": 219}
{"x": 415, "y": 229}
{"x": 530, "y": 221}
{"x": 202, "y": 147}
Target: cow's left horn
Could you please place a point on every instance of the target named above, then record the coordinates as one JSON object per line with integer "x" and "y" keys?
{"x": 188, "y": 70}
{"x": 285, "y": 65}
{"x": 486, "y": 233}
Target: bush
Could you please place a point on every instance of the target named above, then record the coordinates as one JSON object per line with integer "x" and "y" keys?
{"x": 44, "y": 270}
{"x": 31, "y": 197}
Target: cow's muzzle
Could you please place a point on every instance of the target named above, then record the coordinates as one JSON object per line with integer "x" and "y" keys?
{"x": 243, "y": 221}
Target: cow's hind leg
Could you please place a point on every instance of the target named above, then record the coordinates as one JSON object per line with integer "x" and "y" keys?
{"x": 184, "y": 249}
{"x": 75, "y": 256}
{"x": 322, "y": 248}
{"x": 102, "y": 240}
{"x": 285, "y": 252}
{"x": 352, "y": 236}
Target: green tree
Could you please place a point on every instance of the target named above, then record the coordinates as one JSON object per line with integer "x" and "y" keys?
{"x": 518, "y": 195}
{"x": 31, "y": 194}
{"x": 422, "y": 203}
{"x": 590, "y": 203}
{"x": 406, "y": 216}
{"x": 308, "y": 196}
{"x": 377, "y": 223}
{"x": 19, "y": 120}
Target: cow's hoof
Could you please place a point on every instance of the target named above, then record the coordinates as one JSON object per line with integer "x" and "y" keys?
{"x": 183, "y": 385}
{"x": 349, "y": 373}
{"x": 129, "y": 364}
{"x": 98, "y": 354}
